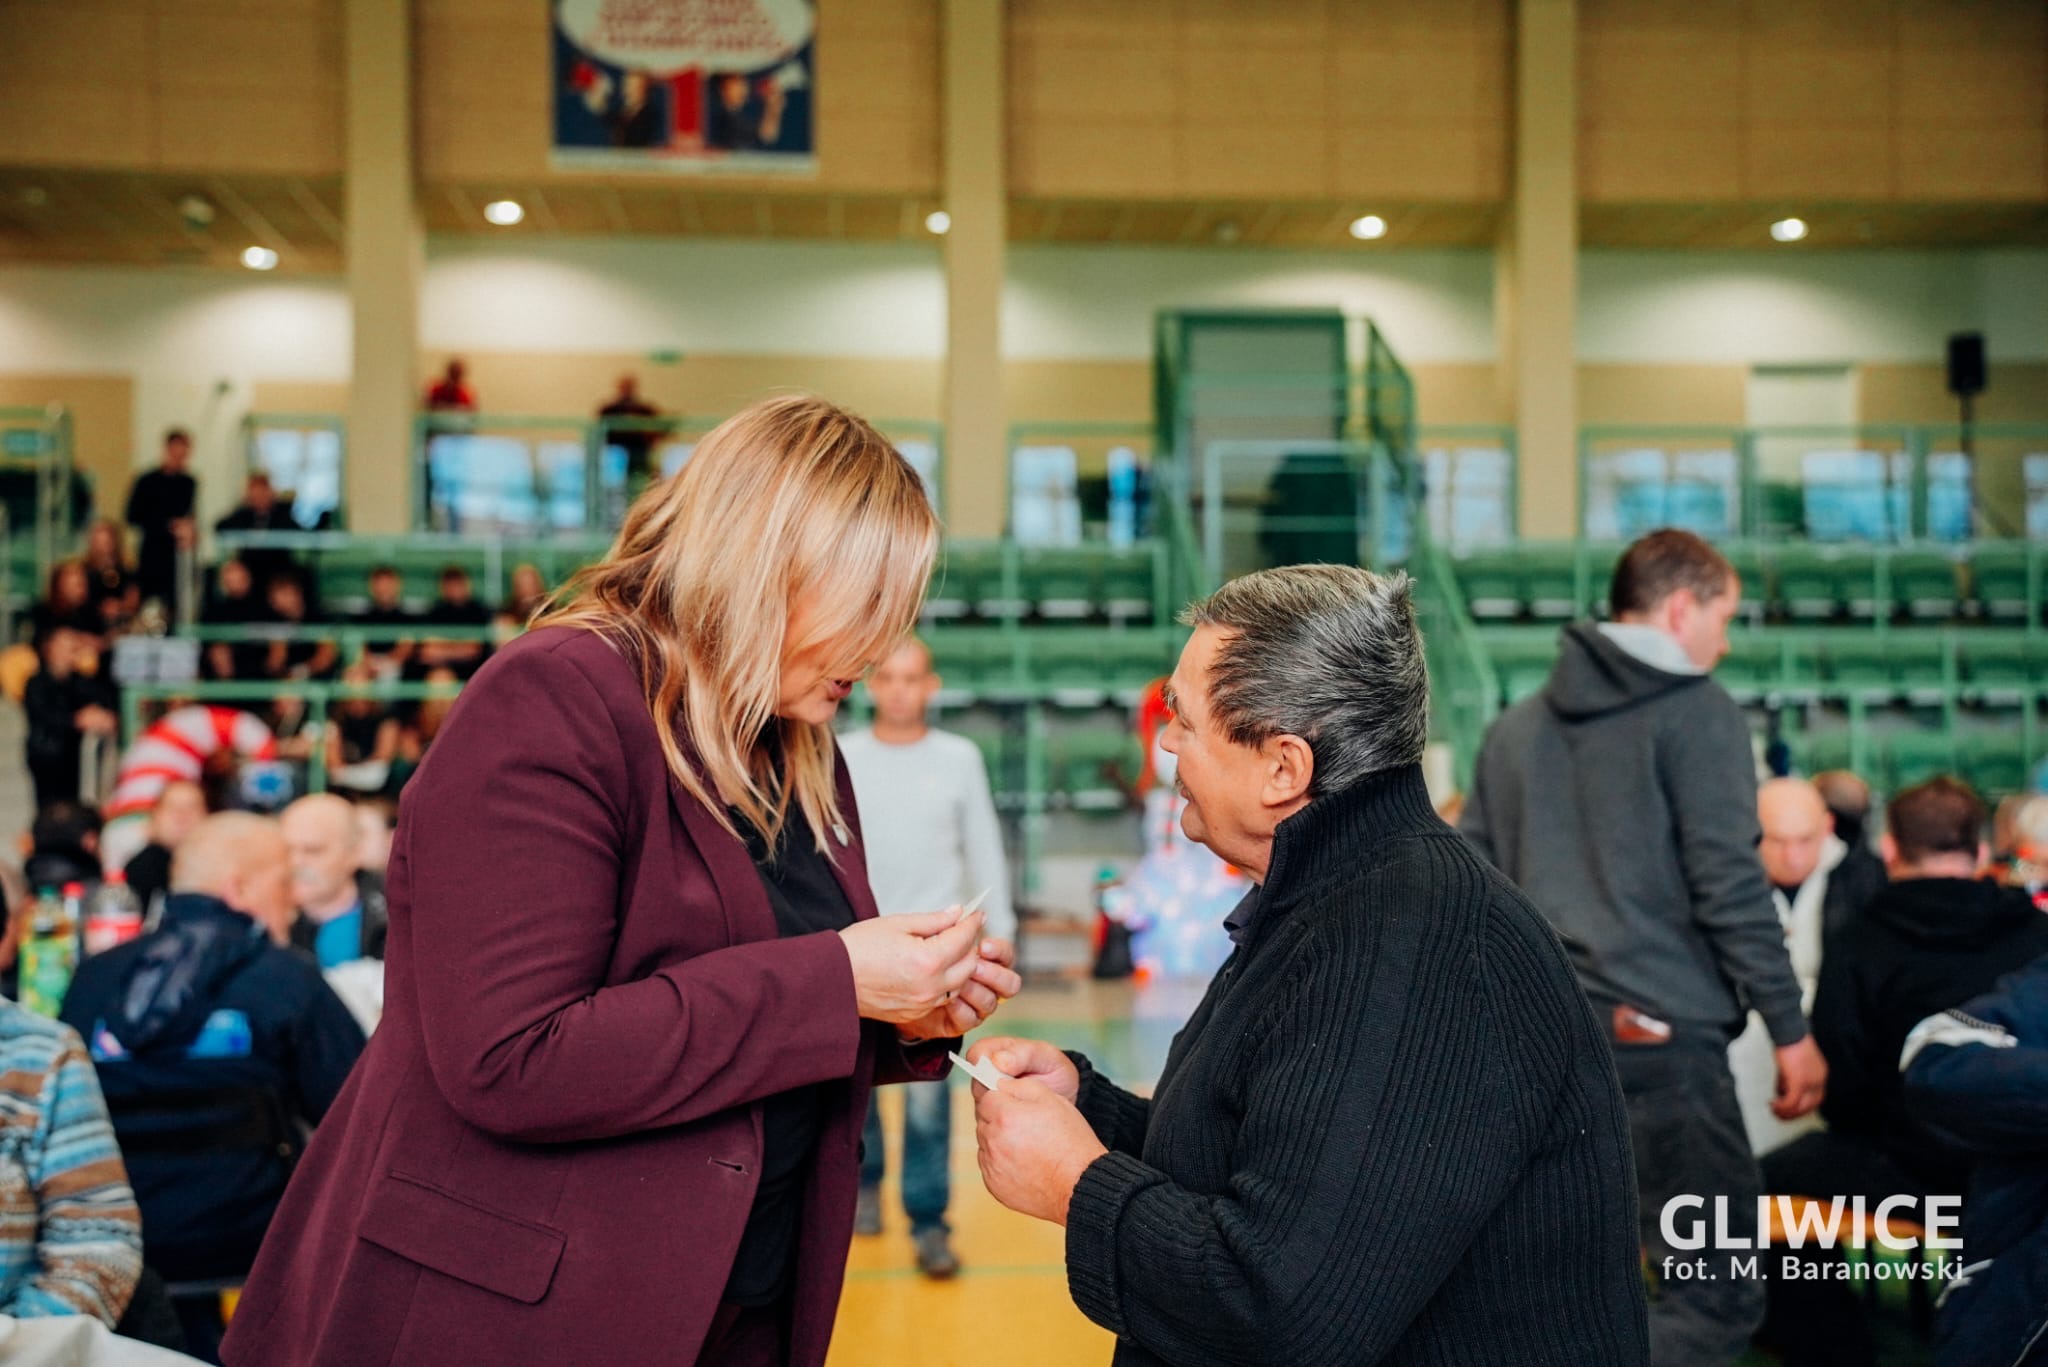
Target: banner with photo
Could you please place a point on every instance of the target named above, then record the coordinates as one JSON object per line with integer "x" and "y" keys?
{"x": 691, "y": 86}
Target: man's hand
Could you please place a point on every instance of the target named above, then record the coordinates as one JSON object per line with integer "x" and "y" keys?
{"x": 96, "y": 720}
{"x": 1802, "y": 1080}
{"x": 1033, "y": 1147}
{"x": 1031, "y": 1059}
{"x": 993, "y": 982}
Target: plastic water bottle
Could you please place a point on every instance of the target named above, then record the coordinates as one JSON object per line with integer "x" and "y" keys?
{"x": 49, "y": 954}
{"x": 113, "y": 916}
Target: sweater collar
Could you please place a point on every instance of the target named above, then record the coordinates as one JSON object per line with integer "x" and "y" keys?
{"x": 1336, "y": 834}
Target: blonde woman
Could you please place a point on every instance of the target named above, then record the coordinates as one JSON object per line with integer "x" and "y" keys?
{"x": 637, "y": 992}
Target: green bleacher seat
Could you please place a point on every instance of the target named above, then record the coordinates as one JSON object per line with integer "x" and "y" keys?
{"x": 1997, "y": 666}
{"x": 1127, "y": 585}
{"x": 1819, "y": 751}
{"x": 1924, "y": 583}
{"x": 1522, "y": 664}
{"x": 969, "y": 660}
{"x": 1069, "y": 661}
{"x": 1131, "y": 661}
{"x": 1855, "y": 571}
{"x": 1753, "y": 570}
{"x": 1058, "y": 582}
{"x": 1752, "y": 669}
{"x": 1916, "y": 667}
{"x": 1995, "y": 763}
{"x": 1550, "y": 582}
{"x": 1492, "y": 583}
{"x": 1078, "y": 760}
{"x": 1915, "y": 754}
{"x": 1856, "y": 660}
{"x": 1807, "y": 586}
{"x": 1998, "y": 574}
{"x": 961, "y": 578}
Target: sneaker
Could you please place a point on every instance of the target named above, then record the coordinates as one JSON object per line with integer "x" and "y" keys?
{"x": 935, "y": 1255}
{"x": 867, "y": 1213}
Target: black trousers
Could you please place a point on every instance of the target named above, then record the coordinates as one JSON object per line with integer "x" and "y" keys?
{"x": 1822, "y": 1322}
{"x": 1685, "y": 1126}
{"x": 55, "y": 778}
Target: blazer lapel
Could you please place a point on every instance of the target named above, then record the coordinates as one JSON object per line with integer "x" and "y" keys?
{"x": 748, "y": 917}
{"x": 849, "y": 853}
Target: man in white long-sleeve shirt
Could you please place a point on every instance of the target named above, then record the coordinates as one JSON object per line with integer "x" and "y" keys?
{"x": 932, "y": 839}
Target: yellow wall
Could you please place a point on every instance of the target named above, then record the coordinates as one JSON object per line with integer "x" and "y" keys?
{"x": 1816, "y": 100}
{"x": 1288, "y": 98}
{"x": 174, "y": 85}
{"x": 1712, "y": 100}
{"x": 102, "y": 411}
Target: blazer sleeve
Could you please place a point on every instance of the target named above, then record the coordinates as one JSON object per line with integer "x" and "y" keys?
{"x": 514, "y": 848}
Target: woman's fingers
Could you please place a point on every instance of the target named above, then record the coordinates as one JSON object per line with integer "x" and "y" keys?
{"x": 1002, "y": 952}
{"x": 980, "y": 998}
{"x": 1004, "y": 982}
{"x": 925, "y": 924}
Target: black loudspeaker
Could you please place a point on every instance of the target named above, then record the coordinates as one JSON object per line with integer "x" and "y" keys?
{"x": 1966, "y": 364}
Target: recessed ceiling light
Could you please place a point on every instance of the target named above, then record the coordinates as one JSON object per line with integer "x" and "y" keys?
{"x": 1789, "y": 229}
{"x": 938, "y": 222}
{"x": 1228, "y": 230}
{"x": 259, "y": 258}
{"x": 1369, "y": 227}
{"x": 504, "y": 212}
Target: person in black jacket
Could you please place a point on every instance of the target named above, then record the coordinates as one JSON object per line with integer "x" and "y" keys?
{"x": 160, "y": 507}
{"x": 65, "y": 701}
{"x": 1935, "y": 936}
{"x": 1977, "y": 1076}
{"x": 1622, "y": 801}
{"x": 1391, "y": 1132}
{"x": 217, "y": 1049}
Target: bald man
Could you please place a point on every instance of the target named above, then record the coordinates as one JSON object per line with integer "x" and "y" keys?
{"x": 341, "y": 909}
{"x": 217, "y": 1047}
{"x": 1817, "y": 890}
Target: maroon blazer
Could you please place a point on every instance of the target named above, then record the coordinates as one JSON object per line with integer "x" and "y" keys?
{"x": 549, "y": 1150}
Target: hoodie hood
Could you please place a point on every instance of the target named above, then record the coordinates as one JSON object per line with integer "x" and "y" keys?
{"x": 1952, "y": 913}
{"x": 1595, "y": 677}
{"x": 171, "y": 985}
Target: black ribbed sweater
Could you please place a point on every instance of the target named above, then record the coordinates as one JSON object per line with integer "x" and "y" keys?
{"x": 1391, "y": 1133}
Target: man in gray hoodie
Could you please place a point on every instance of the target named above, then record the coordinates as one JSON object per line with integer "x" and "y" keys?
{"x": 1622, "y": 801}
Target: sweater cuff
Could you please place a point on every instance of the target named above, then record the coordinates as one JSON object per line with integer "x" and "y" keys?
{"x": 1784, "y": 1020}
{"x": 1093, "y": 1213}
{"x": 1096, "y": 1101}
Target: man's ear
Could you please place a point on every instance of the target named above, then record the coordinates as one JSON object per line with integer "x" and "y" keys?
{"x": 1888, "y": 849}
{"x": 1290, "y": 771}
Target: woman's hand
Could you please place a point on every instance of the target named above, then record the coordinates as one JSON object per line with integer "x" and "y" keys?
{"x": 906, "y": 967}
{"x": 1030, "y": 1058}
{"x": 995, "y": 981}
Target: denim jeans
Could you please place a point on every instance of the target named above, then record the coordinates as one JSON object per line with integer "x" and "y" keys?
{"x": 1685, "y": 1126}
{"x": 927, "y": 1136}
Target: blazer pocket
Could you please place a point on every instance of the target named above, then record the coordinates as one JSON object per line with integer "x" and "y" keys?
{"x": 452, "y": 1235}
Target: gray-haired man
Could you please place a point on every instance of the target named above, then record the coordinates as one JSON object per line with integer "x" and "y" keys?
{"x": 1391, "y": 1132}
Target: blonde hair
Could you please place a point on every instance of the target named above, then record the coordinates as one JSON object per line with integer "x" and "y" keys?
{"x": 791, "y": 499}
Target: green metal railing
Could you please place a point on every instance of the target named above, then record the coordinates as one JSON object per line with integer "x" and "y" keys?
{"x": 2001, "y": 581}
{"x": 1912, "y": 701}
{"x": 557, "y": 473}
{"x": 1893, "y": 482}
{"x": 37, "y": 442}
